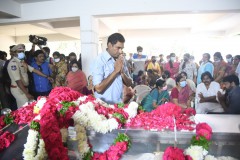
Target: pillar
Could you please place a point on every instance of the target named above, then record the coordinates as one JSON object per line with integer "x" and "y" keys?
{"x": 89, "y": 42}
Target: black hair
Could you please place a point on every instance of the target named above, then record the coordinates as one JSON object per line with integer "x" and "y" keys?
{"x": 170, "y": 62}
{"x": 150, "y": 71}
{"x": 167, "y": 73}
{"x": 185, "y": 74}
{"x": 208, "y": 55}
{"x": 139, "y": 49}
{"x": 114, "y": 38}
{"x": 140, "y": 73}
{"x": 56, "y": 53}
{"x": 218, "y": 54}
{"x": 37, "y": 52}
{"x": 11, "y": 46}
{"x": 159, "y": 83}
{"x": 72, "y": 54}
{"x": 207, "y": 74}
{"x": 73, "y": 62}
{"x": 46, "y": 49}
{"x": 178, "y": 78}
{"x": 237, "y": 56}
{"x": 232, "y": 78}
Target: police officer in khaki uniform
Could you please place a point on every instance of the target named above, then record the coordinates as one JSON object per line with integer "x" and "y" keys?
{"x": 17, "y": 70}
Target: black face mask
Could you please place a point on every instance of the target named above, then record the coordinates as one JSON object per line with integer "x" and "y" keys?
{"x": 163, "y": 76}
{"x": 154, "y": 60}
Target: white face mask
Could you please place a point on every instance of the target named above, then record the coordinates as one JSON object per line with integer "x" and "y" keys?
{"x": 229, "y": 60}
{"x": 74, "y": 69}
{"x": 56, "y": 60}
{"x": 140, "y": 53}
{"x": 173, "y": 58}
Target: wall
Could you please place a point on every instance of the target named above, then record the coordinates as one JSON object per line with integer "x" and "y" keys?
{"x": 6, "y": 41}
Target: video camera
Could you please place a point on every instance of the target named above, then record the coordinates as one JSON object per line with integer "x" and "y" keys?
{"x": 38, "y": 40}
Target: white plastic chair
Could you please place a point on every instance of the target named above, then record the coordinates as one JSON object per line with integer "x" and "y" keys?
{"x": 141, "y": 95}
{"x": 140, "y": 88}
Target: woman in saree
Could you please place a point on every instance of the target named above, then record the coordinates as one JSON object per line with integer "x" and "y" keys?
{"x": 181, "y": 95}
{"x": 76, "y": 79}
{"x": 159, "y": 95}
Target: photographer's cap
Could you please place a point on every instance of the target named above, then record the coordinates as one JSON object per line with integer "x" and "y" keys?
{"x": 19, "y": 47}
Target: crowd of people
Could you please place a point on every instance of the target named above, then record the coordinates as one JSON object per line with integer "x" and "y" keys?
{"x": 209, "y": 87}
{"x": 30, "y": 74}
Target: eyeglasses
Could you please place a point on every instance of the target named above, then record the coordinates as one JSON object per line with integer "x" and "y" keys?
{"x": 40, "y": 68}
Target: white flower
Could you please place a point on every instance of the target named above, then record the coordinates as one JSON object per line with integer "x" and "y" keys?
{"x": 131, "y": 109}
{"x": 30, "y": 145}
{"x": 41, "y": 153}
{"x": 210, "y": 157}
{"x": 40, "y": 103}
{"x": 196, "y": 152}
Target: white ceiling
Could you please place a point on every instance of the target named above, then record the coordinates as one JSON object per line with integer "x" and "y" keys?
{"x": 214, "y": 24}
{"x": 29, "y": 1}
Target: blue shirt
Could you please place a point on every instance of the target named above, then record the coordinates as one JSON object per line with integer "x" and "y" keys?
{"x": 42, "y": 84}
{"x": 203, "y": 68}
{"x": 104, "y": 66}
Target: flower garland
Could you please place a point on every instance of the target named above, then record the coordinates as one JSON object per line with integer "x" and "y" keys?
{"x": 49, "y": 122}
{"x": 161, "y": 118}
{"x": 31, "y": 144}
{"x": 6, "y": 139}
{"x": 83, "y": 146}
{"x": 89, "y": 118}
{"x": 121, "y": 144}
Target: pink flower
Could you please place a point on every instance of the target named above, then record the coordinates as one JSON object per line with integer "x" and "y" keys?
{"x": 204, "y": 133}
{"x": 172, "y": 153}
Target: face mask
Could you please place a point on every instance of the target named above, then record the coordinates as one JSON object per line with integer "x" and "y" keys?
{"x": 229, "y": 60}
{"x": 21, "y": 56}
{"x": 74, "y": 69}
{"x": 217, "y": 61}
{"x": 140, "y": 53}
{"x": 164, "y": 88}
{"x": 183, "y": 84}
{"x": 56, "y": 60}
{"x": 46, "y": 55}
{"x": 173, "y": 58}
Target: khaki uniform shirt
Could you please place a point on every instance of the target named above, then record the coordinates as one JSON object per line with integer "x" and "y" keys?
{"x": 17, "y": 71}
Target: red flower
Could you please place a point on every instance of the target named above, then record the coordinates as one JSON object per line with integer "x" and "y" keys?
{"x": 204, "y": 126}
{"x": 6, "y": 139}
{"x": 172, "y": 153}
{"x": 204, "y": 133}
{"x": 187, "y": 157}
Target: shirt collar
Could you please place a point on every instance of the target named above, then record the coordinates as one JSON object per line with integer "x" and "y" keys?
{"x": 16, "y": 59}
{"x": 107, "y": 56}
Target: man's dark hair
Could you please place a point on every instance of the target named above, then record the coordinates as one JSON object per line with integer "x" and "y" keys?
{"x": 37, "y": 52}
{"x": 46, "y": 49}
{"x": 139, "y": 49}
{"x": 11, "y": 46}
{"x": 237, "y": 56}
{"x": 56, "y": 53}
{"x": 115, "y": 37}
{"x": 207, "y": 74}
{"x": 72, "y": 54}
{"x": 232, "y": 78}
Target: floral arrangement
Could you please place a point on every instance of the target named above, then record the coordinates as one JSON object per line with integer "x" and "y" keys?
{"x": 198, "y": 148}
{"x": 121, "y": 144}
{"x": 6, "y": 139}
{"x": 161, "y": 118}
